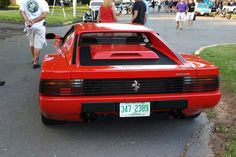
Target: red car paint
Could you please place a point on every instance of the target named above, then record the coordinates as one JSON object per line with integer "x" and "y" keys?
{"x": 60, "y": 66}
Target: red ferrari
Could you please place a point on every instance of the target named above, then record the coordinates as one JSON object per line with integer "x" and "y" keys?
{"x": 123, "y": 70}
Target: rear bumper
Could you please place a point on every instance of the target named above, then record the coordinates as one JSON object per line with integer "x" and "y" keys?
{"x": 70, "y": 108}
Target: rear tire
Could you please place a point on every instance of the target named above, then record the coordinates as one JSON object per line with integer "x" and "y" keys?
{"x": 183, "y": 116}
{"x": 47, "y": 121}
{"x": 192, "y": 116}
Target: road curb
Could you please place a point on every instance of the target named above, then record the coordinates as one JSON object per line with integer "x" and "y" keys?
{"x": 13, "y": 25}
{"x": 198, "y": 51}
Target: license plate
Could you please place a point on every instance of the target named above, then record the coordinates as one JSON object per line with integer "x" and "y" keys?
{"x": 135, "y": 109}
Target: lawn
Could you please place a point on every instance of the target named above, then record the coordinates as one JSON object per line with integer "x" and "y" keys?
{"x": 234, "y": 16}
{"x": 225, "y": 58}
{"x": 12, "y": 15}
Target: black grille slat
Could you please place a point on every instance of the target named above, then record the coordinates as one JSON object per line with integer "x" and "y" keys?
{"x": 124, "y": 86}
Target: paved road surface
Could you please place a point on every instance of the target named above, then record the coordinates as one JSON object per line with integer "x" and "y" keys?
{"x": 23, "y": 135}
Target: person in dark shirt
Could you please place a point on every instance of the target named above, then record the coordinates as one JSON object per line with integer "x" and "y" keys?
{"x": 139, "y": 12}
{"x": 190, "y": 14}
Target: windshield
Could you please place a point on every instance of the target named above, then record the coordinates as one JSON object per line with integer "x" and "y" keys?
{"x": 96, "y": 4}
{"x": 202, "y": 5}
{"x": 114, "y": 38}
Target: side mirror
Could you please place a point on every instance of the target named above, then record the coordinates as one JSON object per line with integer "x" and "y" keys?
{"x": 57, "y": 41}
{"x": 50, "y": 36}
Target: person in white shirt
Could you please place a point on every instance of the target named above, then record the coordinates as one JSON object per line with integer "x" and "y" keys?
{"x": 34, "y": 13}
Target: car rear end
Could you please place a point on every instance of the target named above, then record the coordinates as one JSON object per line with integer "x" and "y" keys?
{"x": 128, "y": 80}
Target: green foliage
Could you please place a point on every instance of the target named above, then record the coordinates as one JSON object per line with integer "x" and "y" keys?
{"x": 85, "y": 1}
{"x": 231, "y": 150}
{"x": 56, "y": 19}
{"x": 211, "y": 113}
{"x": 225, "y": 58}
{"x": 4, "y": 3}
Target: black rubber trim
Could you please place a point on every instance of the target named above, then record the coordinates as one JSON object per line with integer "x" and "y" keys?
{"x": 114, "y": 106}
{"x": 86, "y": 59}
{"x": 75, "y": 50}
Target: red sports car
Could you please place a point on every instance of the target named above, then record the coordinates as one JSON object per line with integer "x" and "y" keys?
{"x": 123, "y": 70}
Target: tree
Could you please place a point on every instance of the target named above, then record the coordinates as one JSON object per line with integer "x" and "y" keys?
{"x": 4, "y": 3}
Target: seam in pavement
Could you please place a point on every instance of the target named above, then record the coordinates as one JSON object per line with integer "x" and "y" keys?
{"x": 198, "y": 51}
{"x": 194, "y": 137}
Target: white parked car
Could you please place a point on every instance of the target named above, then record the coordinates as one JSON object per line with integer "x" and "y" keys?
{"x": 231, "y": 7}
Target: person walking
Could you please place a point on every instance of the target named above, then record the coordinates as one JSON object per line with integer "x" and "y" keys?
{"x": 147, "y": 13}
{"x": 166, "y": 6}
{"x": 181, "y": 9}
{"x": 107, "y": 12}
{"x": 139, "y": 12}
{"x": 34, "y": 13}
{"x": 190, "y": 14}
{"x": 153, "y": 4}
{"x": 158, "y": 6}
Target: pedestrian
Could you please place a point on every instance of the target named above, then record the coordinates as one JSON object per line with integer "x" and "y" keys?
{"x": 174, "y": 4}
{"x": 107, "y": 12}
{"x": 153, "y": 4}
{"x": 139, "y": 12}
{"x": 166, "y": 6}
{"x": 181, "y": 9}
{"x": 158, "y": 6}
{"x": 190, "y": 14}
{"x": 170, "y": 5}
{"x": 147, "y": 13}
{"x": 2, "y": 83}
{"x": 34, "y": 13}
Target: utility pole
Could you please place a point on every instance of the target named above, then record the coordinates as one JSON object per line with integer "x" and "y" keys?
{"x": 74, "y": 7}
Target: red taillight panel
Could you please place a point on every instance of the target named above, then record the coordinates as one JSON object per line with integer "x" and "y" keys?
{"x": 61, "y": 87}
{"x": 201, "y": 84}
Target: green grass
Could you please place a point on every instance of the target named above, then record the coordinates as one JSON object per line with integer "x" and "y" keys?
{"x": 225, "y": 58}
{"x": 12, "y": 15}
{"x": 231, "y": 150}
{"x": 233, "y": 16}
{"x": 211, "y": 113}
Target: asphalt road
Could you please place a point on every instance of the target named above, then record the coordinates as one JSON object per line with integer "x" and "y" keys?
{"x": 23, "y": 135}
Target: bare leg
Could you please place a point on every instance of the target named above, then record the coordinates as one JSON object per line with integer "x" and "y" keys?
{"x": 36, "y": 55}
{"x": 177, "y": 26}
{"x": 32, "y": 51}
{"x": 181, "y": 25}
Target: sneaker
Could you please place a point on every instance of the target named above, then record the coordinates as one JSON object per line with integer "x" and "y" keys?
{"x": 36, "y": 66}
{"x": 2, "y": 83}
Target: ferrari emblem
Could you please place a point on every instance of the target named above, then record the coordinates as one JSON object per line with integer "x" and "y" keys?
{"x": 135, "y": 85}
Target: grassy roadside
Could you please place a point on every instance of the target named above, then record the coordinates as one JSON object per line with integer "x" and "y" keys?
{"x": 224, "y": 134}
{"x": 12, "y": 15}
{"x": 233, "y": 16}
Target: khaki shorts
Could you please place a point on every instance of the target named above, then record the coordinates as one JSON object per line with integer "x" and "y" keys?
{"x": 37, "y": 37}
{"x": 180, "y": 17}
{"x": 190, "y": 15}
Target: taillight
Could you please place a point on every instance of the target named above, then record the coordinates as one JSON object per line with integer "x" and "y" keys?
{"x": 61, "y": 87}
{"x": 200, "y": 84}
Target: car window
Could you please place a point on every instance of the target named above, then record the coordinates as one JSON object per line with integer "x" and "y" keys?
{"x": 113, "y": 38}
{"x": 93, "y": 4}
